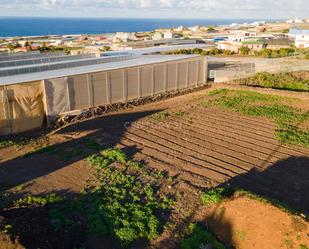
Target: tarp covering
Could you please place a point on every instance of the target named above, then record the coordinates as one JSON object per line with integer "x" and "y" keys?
{"x": 4, "y": 124}
{"x": 23, "y": 107}
{"x": 57, "y": 98}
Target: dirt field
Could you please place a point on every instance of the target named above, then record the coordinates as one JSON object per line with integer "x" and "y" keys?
{"x": 198, "y": 147}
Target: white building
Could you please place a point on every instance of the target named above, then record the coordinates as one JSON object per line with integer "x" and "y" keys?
{"x": 194, "y": 28}
{"x": 302, "y": 41}
{"x": 168, "y": 35}
{"x": 125, "y": 36}
{"x": 295, "y": 20}
{"x": 157, "y": 36}
{"x": 179, "y": 29}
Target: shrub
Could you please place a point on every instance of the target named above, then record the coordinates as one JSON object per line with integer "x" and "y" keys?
{"x": 213, "y": 196}
{"x": 244, "y": 50}
{"x": 286, "y": 81}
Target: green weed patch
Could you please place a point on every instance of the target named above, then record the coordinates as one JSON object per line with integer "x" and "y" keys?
{"x": 160, "y": 116}
{"x": 122, "y": 205}
{"x": 284, "y": 81}
{"x": 287, "y": 118}
{"x": 198, "y": 237}
{"x": 6, "y": 143}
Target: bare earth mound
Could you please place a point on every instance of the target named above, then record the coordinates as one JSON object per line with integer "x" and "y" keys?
{"x": 247, "y": 223}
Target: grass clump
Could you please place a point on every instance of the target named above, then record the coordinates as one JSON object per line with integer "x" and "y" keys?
{"x": 302, "y": 246}
{"x": 198, "y": 237}
{"x": 218, "y": 91}
{"x": 6, "y": 143}
{"x": 285, "y": 81}
{"x": 39, "y": 200}
{"x": 215, "y": 195}
{"x": 287, "y": 118}
{"x": 106, "y": 157}
{"x": 160, "y": 116}
{"x": 121, "y": 205}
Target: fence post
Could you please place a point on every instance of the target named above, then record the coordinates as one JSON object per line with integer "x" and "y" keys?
{"x": 152, "y": 80}
{"x": 68, "y": 92}
{"x": 108, "y": 87}
{"x": 187, "y": 74}
{"x": 176, "y": 77}
{"x": 7, "y": 113}
{"x": 165, "y": 77}
{"x": 205, "y": 70}
{"x": 197, "y": 71}
{"x": 125, "y": 84}
{"x": 139, "y": 83}
{"x": 90, "y": 89}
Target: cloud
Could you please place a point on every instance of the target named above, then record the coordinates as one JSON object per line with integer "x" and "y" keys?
{"x": 257, "y": 5}
{"x": 158, "y": 8}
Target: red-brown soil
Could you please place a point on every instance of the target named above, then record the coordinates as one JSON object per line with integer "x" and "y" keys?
{"x": 252, "y": 224}
{"x": 202, "y": 148}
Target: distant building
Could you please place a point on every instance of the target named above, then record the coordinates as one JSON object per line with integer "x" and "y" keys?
{"x": 169, "y": 35}
{"x": 179, "y": 29}
{"x": 296, "y": 31}
{"x": 125, "y": 36}
{"x": 157, "y": 36}
{"x": 232, "y": 46}
{"x": 194, "y": 28}
{"x": 302, "y": 41}
{"x": 295, "y": 20}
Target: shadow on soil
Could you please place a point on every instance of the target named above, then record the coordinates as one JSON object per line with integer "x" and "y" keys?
{"x": 286, "y": 182}
{"x": 31, "y": 225}
{"x": 108, "y": 130}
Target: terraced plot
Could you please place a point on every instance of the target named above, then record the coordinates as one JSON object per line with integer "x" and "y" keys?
{"x": 200, "y": 140}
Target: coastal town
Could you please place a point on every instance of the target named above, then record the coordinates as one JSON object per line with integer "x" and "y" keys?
{"x": 256, "y": 36}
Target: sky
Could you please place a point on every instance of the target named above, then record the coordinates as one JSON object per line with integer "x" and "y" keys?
{"x": 236, "y": 9}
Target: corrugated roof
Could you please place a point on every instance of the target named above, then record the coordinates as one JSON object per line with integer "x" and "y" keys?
{"x": 143, "y": 60}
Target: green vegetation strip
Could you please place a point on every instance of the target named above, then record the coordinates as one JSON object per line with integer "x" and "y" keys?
{"x": 122, "y": 204}
{"x": 198, "y": 237}
{"x": 285, "y": 81}
{"x": 289, "y": 120}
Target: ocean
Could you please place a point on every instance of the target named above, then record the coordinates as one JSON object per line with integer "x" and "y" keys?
{"x": 30, "y": 26}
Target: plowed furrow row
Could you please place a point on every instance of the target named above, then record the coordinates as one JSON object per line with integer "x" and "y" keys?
{"x": 269, "y": 134}
{"x": 231, "y": 143}
{"x": 236, "y": 121}
{"x": 255, "y": 141}
{"x": 237, "y": 117}
{"x": 185, "y": 162}
{"x": 248, "y": 141}
{"x": 251, "y": 132}
{"x": 181, "y": 174}
{"x": 197, "y": 148}
{"x": 214, "y": 149}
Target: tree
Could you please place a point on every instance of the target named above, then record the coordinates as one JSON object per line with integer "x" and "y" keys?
{"x": 211, "y": 30}
{"x": 12, "y": 46}
{"x": 105, "y": 49}
{"x": 244, "y": 50}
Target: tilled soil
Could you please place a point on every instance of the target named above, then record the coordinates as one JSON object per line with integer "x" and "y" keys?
{"x": 201, "y": 148}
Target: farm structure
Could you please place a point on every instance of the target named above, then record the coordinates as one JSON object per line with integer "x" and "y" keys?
{"x": 32, "y": 93}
